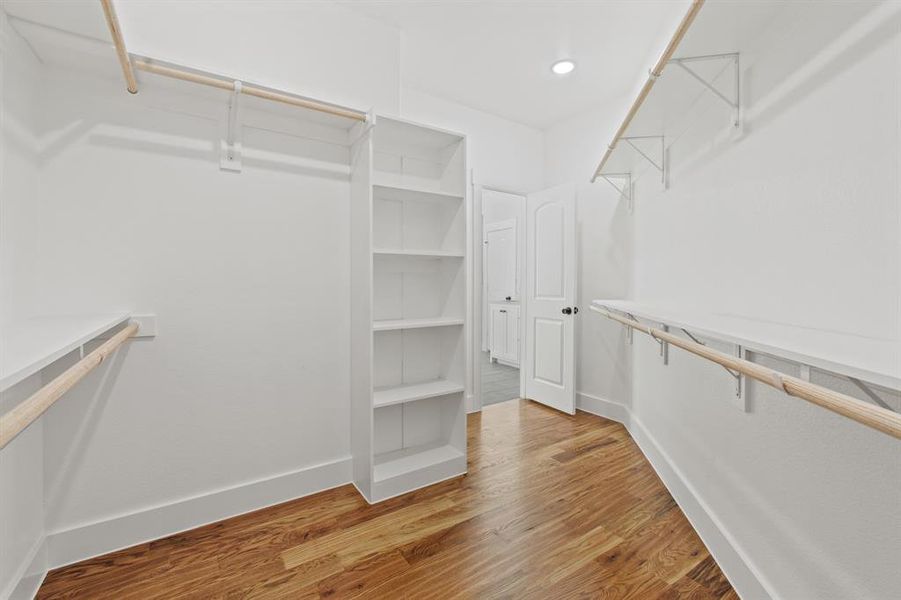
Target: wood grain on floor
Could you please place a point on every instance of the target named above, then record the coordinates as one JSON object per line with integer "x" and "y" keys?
{"x": 553, "y": 507}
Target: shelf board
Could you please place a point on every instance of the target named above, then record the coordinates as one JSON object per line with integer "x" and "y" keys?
{"x": 392, "y": 324}
{"x": 395, "y": 132}
{"x": 413, "y": 392}
{"x": 408, "y": 460}
{"x": 421, "y": 253}
{"x": 400, "y": 192}
{"x": 874, "y": 360}
{"x": 28, "y": 347}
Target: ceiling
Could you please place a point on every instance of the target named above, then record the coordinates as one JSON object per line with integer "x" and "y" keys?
{"x": 496, "y": 56}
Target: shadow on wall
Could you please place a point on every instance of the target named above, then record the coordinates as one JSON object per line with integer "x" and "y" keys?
{"x": 82, "y": 413}
{"x": 176, "y": 124}
{"x": 828, "y": 48}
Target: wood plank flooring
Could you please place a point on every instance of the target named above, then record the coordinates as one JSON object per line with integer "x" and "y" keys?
{"x": 553, "y": 507}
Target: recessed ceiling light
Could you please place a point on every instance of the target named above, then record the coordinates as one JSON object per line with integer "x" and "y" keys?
{"x": 562, "y": 67}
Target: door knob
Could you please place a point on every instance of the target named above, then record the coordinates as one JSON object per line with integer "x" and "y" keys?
{"x": 508, "y": 298}
{"x": 567, "y": 311}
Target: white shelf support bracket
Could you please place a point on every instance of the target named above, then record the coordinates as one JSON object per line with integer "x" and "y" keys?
{"x": 873, "y": 396}
{"x": 734, "y": 103}
{"x": 741, "y": 394}
{"x": 741, "y": 384}
{"x": 625, "y": 192}
{"x": 664, "y": 345}
{"x": 659, "y": 165}
{"x": 230, "y": 156}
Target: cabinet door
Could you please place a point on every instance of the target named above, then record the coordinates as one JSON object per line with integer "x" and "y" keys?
{"x": 512, "y": 344}
{"x": 498, "y": 340}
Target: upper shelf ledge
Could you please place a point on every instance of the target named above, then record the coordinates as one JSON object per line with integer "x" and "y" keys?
{"x": 872, "y": 360}
{"x": 29, "y": 346}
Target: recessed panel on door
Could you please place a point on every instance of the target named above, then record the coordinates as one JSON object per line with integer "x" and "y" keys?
{"x": 548, "y": 350}
{"x": 549, "y": 249}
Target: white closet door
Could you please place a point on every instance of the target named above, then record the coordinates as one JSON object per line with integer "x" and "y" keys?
{"x": 501, "y": 263}
{"x": 550, "y": 297}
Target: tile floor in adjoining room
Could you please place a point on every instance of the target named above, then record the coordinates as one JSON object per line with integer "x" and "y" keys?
{"x": 499, "y": 382}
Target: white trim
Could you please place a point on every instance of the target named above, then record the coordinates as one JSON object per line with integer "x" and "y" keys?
{"x": 95, "y": 539}
{"x": 602, "y": 407}
{"x": 748, "y": 581}
{"x": 31, "y": 573}
{"x": 733, "y": 561}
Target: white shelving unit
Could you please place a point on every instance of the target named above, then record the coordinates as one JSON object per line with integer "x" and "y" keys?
{"x": 409, "y": 321}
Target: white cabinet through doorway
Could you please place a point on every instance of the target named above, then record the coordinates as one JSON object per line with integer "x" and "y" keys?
{"x": 504, "y": 334}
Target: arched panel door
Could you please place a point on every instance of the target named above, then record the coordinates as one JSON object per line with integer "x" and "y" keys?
{"x": 550, "y": 298}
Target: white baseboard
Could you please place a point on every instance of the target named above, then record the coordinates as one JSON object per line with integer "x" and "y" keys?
{"x": 603, "y": 408}
{"x": 87, "y": 541}
{"x": 25, "y": 584}
{"x": 740, "y": 571}
{"x": 733, "y": 561}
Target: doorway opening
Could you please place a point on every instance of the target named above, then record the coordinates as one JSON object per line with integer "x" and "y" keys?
{"x": 524, "y": 293}
{"x": 503, "y": 258}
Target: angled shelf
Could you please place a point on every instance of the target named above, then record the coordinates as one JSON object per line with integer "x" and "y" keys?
{"x": 28, "y": 347}
{"x": 413, "y": 193}
{"x": 419, "y": 253}
{"x": 398, "y": 324}
{"x": 417, "y": 391}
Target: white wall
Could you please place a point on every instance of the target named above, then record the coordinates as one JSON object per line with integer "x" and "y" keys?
{"x": 796, "y": 221}
{"x": 318, "y": 49}
{"x": 242, "y": 398}
{"x": 18, "y": 212}
{"x": 248, "y": 274}
{"x": 21, "y": 462}
{"x": 604, "y": 229}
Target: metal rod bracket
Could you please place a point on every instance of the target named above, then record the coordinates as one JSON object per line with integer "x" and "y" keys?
{"x": 735, "y": 101}
{"x": 660, "y": 164}
{"x": 231, "y": 146}
{"x": 625, "y": 192}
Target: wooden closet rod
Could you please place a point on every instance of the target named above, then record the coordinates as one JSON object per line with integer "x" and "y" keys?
{"x": 879, "y": 418}
{"x": 19, "y": 418}
{"x": 653, "y": 75}
{"x": 113, "y": 22}
{"x": 216, "y": 81}
{"x": 224, "y": 83}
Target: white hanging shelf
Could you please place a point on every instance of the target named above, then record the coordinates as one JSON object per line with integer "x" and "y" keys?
{"x": 871, "y": 360}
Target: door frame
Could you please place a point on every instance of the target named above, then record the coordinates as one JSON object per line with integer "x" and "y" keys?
{"x": 478, "y": 270}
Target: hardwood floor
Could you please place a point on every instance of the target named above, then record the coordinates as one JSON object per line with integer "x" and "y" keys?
{"x": 553, "y": 507}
